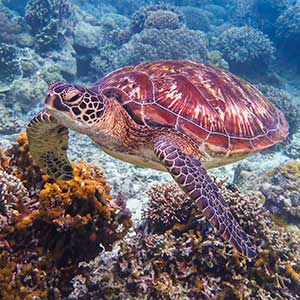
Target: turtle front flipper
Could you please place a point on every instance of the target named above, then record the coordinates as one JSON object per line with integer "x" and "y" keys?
{"x": 196, "y": 183}
{"x": 48, "y": 144}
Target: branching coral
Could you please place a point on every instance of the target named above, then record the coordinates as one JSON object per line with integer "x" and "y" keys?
{"x": 12, "y": 196}
{"x": 154, "y": 44}
{"x": 246, "y": 49}
{"x": 192, "y": 262}
{"x": 167, "y": 206}
{"x": 48, "y": 227}
{"x": 285, "y": 102}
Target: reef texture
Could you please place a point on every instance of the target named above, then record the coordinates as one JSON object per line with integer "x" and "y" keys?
{"x": 51, "y": 22}
{"x": 13, "y": 29}
{"x": 288, "y": 25}
{"x": 190, "y": 261}
{"x": 285, "y": 102}
{"x": 246, "y": 49}
{"x": 156, "y": 16}
{"x": 47, "y": 227}
{"x": 154, "y": 44}
{"x": 9, "y": 65}
{"x": 260, "y": 14}
{"x": 281, "y": 188}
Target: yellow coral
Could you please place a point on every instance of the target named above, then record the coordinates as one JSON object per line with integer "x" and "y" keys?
{"x": 295, "y": 276}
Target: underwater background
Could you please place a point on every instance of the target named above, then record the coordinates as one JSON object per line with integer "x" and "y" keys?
{"x": 117, "y": 231}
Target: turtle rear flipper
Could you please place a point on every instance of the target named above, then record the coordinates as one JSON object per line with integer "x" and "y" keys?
{"x": 195, "y": 182}
{"x": 48, "y": 144}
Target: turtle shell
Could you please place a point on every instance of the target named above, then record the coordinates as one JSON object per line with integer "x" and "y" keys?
{"x": 210, "y": 105}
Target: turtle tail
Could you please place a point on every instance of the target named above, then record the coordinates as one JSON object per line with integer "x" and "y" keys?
{"x": 48, "y": 144}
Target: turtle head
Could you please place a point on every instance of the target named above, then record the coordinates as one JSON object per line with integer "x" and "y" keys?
{"x": 74, "y": 106}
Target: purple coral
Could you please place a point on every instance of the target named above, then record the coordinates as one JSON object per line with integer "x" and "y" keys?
{"x": 167, "y": 205}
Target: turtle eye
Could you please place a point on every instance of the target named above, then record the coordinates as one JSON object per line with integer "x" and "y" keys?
{"x": 73, "y": 96}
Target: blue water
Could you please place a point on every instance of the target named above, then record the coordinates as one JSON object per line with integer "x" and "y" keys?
{"x": 172, "y": 252}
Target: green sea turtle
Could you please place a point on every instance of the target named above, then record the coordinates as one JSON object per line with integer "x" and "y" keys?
{"x": 177, "y": 116}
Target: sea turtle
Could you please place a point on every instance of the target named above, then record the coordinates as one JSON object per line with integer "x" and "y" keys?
{"x": 177, "y": 116}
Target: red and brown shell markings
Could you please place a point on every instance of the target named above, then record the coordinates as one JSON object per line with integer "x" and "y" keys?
{"x": 208, "y": 104}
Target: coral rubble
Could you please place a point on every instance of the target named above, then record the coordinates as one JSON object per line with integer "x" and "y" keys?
{"x": 47, "y": 227}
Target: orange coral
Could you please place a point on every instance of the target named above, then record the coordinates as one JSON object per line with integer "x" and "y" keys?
{"x": 60, "y": 224}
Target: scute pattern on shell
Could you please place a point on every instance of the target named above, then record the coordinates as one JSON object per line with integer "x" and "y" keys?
{"x": 207, "y": 103}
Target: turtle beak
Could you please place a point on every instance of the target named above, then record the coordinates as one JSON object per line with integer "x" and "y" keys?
{"x": 54, "y": 102}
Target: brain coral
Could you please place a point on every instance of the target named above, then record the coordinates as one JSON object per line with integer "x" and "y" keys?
{"x": 246, "y": 49}
{"x": 161, "y": 19}
{"x": 154, "y": 44}
{"x": 161, "y": 11}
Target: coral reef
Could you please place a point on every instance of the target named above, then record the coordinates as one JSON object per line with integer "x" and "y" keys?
{"x": 154, "y": 44}
{"x": 196, "y": 18}
{"x": 281, "y": 189}
{"x": 10, "y": 121}
{"x": 285, "y": 102}
{"x": 48, "y": 227}
{"x": 10, "y": 66}
{"x": 139, "y": 18}
{"x": 32, "y": 76}
{"x": 161, "y": 19}
{"x": 293, "y": 149}
{"x": 260, "y": 14}
{"x": 192, "y": 262}
{"x": 287, "y": 31}
{"x": 51, "y": 22}
{"x": 245, "y": 49}
{"x": 13, "y": 29}
{"x": 167, "y": 206}
{"x": 287, "y": 24}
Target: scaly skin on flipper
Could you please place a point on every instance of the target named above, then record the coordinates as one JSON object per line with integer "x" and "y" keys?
{"x": 194, "y": 181}
{"x": 48, "y": 144}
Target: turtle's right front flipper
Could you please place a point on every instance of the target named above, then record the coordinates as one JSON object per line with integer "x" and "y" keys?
{"x": 48, "y": 144}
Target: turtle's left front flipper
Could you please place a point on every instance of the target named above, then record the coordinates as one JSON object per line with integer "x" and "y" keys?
{"x": 195, "y": 182}
{"x": 48, "y": 144}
